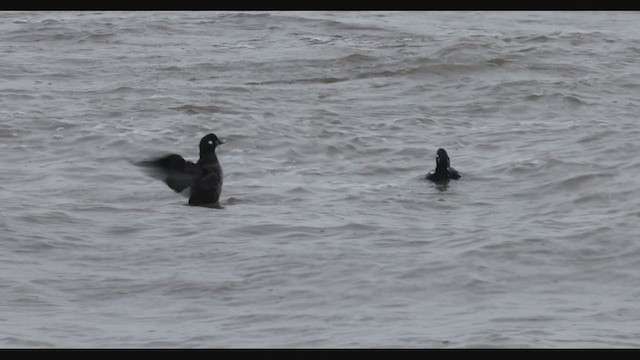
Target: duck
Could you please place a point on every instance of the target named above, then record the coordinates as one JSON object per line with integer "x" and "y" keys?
{"x": 443, "y": 171}
{"x": 200, "y": 181}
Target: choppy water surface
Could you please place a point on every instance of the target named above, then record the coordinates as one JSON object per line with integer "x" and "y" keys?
{"x": 330, "y": 236}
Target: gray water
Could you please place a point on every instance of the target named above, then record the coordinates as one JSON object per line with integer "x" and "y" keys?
{"x": 330, "y": 236}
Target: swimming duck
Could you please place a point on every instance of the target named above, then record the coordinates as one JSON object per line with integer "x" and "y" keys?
{"x": 203, "y": 180}
{"x": 443, "y": 171}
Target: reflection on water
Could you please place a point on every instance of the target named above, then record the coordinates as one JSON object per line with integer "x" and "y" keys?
{"x": 443, "y": 185}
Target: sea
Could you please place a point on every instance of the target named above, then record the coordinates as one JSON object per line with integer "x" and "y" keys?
{"x": 330, "y": 236}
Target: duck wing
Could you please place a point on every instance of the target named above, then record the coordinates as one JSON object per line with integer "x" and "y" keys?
{"x": 174, "y": 170}
{"x": 453, "y": 173}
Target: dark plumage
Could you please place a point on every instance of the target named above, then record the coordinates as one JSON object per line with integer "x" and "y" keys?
{"x": 443, "y": 172}
{"x": 203, "y": 179}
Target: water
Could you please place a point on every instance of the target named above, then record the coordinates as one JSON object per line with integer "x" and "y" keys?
{"x": 330, "y": 236}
